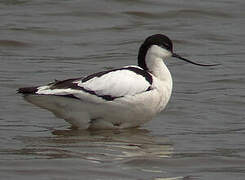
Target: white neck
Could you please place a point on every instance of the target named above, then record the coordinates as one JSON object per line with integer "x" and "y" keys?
{"x": 154, "y": 62}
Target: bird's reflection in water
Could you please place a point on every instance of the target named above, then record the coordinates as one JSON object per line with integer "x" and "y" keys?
{"x": 98, "y": 146}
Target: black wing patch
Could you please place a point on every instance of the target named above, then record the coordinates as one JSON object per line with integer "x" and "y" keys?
{"x": 142, "y": 72}
{"x": 65, "y": 84}
{"x": 69, "y": 83}
{"x": 27, "y": 90}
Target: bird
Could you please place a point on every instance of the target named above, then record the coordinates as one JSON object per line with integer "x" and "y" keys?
{"x": 119, "y": 98}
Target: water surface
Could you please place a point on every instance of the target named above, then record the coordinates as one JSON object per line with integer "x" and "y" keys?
{"x": 201, "y": 133}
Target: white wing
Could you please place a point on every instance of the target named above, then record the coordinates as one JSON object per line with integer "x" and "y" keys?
{"x": 117, "y": 83}
{"x": 107, "y": 85}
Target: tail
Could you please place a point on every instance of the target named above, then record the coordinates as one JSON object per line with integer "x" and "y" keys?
{"x": 27, "y": 90}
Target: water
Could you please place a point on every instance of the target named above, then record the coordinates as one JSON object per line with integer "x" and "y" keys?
{"x": 199, "y": 136}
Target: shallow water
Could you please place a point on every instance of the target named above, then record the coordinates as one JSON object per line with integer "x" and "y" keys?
{"x": 201, "y": 133}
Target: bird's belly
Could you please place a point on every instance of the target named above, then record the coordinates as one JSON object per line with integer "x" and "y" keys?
{"x": 126, "y": 112}
{"x": 131, "y": 111}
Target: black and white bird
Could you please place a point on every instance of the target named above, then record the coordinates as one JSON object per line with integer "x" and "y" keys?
{"x": 120, "y": 98}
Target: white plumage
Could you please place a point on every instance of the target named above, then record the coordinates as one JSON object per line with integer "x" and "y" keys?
{"x": 115, "y": 99}
{"x": 117, "y": 83}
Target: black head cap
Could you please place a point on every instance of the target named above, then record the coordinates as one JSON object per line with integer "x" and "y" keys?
{"x": 164, "y": 42}
{"x": 156, "y": 39}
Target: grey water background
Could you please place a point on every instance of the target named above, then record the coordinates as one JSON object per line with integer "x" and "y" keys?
{"x": 201, "y": 133}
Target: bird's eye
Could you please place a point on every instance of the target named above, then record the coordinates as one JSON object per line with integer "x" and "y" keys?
{"x": 165, "y": 46}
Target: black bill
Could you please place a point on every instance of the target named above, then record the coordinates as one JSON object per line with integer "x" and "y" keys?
{"x": 198, "y": 64}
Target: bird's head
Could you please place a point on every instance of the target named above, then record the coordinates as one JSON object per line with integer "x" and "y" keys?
{"x": 160, "y": 46}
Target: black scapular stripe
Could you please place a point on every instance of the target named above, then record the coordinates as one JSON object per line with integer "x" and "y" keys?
{"x": 139, "y": 71}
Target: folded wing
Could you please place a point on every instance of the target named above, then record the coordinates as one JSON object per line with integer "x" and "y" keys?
{"x": 107, "y": 85}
